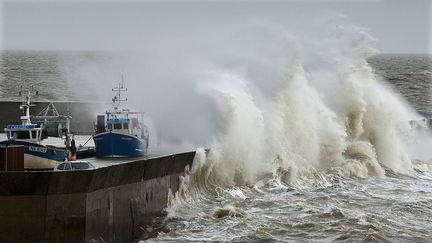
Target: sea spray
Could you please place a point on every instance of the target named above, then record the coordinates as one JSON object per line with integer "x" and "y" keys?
{"x": 195, "y": 186}
{"x": 360, "y": 155}
{"x": 421, "y": 144}
{"x": 305, "y": 132}
{"x": 237, "y": 154}
{"x": 228, "y": 211}
{"x": 385, "y": 122}
{"x": 294, "y": 136}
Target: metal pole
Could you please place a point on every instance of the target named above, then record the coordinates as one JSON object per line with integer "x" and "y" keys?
{"x": 6, "y": 159}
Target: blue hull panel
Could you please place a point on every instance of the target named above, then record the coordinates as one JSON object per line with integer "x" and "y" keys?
{"x": 112, "y": 144}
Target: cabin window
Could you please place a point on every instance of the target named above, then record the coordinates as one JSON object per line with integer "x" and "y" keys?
{"x": 125, "y": 126}
{"x": 44, "y": 134}
{"x": 135, "y": 123}
{"x": 110, "y": 126}
{"x": 33, "y": 133}
{"x": 80, "y": 166}
{"x": 68, "y": 166}
{"x": 117, "y": 125}
{"x": 61, "y": 167}
{"x": 21, "y": 134}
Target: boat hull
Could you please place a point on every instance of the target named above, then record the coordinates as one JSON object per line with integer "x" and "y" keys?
{"x": 37, "y": 156}
{"x": 113, "y": 144}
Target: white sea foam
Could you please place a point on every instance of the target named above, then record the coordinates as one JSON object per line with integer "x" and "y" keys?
{"x": 315, "y": 119}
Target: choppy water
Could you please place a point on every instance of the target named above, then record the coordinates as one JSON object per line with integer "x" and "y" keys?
{"x": 411, "y": 75}
{"x": 325, "y": 207}
{"x": 53, "y": 74}
{"x": 365, "y": 197}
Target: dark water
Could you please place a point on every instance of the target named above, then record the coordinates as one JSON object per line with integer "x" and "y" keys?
{"x": 411, "y": 75}
{"x": 320, "y": 205}
{"x": 54, "y": 74}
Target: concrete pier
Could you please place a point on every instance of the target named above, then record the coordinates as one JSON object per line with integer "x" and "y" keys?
{"x": 108, "y": 204}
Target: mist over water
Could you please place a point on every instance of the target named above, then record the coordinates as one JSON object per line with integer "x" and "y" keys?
{"x": 307, "y": 141}
{"x": 315, "y": 84}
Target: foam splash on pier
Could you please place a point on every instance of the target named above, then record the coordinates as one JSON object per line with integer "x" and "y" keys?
{"x": 323, "y": 115}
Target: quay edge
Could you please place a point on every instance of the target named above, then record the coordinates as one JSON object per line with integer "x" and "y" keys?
{"x": 108, "y": 204}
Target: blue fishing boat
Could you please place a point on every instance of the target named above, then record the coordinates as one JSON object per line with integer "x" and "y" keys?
{"x": 29, "y": 135}
{"x": 121, "y": 132}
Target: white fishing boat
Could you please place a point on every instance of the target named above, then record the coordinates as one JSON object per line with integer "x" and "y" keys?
{"x": 30, "y": 135}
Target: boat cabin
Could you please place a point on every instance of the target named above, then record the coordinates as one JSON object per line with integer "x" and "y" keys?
{"x": 118, "y": 124}
{"x": 32, "y": 132}
{"x": 125, "y": 125}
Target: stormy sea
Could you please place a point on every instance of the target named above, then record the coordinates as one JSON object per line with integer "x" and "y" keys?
{"x": 365, "y": 187}
{"x": 334, "y": 150}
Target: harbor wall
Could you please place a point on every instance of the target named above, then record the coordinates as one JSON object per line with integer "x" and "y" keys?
{"x": 83, "y": 114}
{"x": 108, "y": 204}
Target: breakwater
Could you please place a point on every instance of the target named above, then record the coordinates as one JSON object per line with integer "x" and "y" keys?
{"x": 108, "y": 204}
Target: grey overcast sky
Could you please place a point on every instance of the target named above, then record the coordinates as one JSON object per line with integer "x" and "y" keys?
{"x": 399, "y": 26}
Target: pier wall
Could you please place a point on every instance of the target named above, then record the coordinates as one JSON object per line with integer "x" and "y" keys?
{"x": 108, "y": 204}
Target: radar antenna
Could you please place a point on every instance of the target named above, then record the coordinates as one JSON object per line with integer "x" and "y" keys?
{"x": 25, "y": 105}
{"x": 117, "y": 100}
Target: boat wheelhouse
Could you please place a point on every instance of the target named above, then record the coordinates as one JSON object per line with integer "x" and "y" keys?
{"x": 31, "y": 132}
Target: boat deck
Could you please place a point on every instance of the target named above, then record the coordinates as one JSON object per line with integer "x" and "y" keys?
{"x": 82, "y": 139}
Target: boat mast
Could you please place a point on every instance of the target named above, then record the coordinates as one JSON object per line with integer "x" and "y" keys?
{"x": 25, "y": 120}
{"x": 117, "y": 99}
